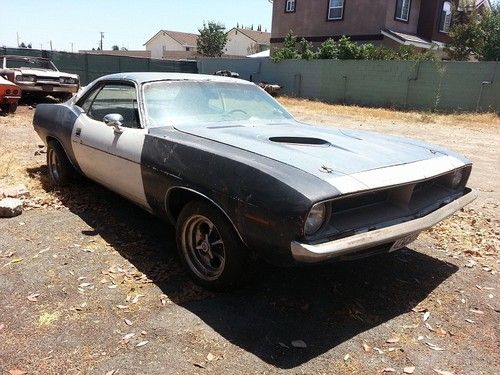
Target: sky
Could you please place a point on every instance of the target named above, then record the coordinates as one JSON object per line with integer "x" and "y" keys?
{"x": 126, "y": 23}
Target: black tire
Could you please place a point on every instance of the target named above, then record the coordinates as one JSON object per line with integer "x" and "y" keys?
{"x": 64, "y": 97}
{"x": 204, "y": 263}
{"x": 60, "y": 169}
{"x": 12, "y": 107}
{"x": 5, "y": 108}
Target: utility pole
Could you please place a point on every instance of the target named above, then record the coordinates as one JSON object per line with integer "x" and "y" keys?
{"x": 17, "y": 39}
{"x": 71, "y": 47}
{"x": 102, "y": 37}
{"x": 51, "y": 46}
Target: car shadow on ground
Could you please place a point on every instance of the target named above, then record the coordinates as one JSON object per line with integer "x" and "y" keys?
{"x": 323, "y": 306}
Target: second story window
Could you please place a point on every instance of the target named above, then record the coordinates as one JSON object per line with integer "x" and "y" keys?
{"x": 445, "y": 19}
{"x": 336, "y": 9}
{"x": 403, "y": 10}
{"x": 290, "y": 6}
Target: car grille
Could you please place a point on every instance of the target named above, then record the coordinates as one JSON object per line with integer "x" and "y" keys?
{"x": 372, "y": 210}
{"x": 48, "y": 79}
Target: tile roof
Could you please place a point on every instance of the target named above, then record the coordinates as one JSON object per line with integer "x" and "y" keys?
{"x": 260, "y": 37}
{"x": 184, "y": 39}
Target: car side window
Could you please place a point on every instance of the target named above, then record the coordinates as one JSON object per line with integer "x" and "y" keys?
{"x": 115, "y": 98}
{"x": 87, "y": 102}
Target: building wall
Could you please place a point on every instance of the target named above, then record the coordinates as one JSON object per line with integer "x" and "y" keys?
{"x": 163, "y": 42}
{"x": 238, "y": 44}
{"x": 361, "y": 18}
{"x": 409, "y": 27}
{"x": 428, "y": 25}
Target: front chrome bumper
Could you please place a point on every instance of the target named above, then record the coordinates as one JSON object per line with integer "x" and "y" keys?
{"x": 306, "y": 253}
{"x": 48, "y": 87}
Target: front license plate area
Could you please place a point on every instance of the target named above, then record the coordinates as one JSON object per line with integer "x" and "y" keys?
{"x": 402, "y": 242}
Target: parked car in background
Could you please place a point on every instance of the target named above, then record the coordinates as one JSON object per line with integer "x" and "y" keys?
{"x": 39, "y": 76}
{"x": 9, "y": 96}
{"x": 241, "y": 179}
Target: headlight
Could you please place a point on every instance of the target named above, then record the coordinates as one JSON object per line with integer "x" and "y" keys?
{"x": 315, "y": 219}
{"x": 456, "y": 178}
{"x": 70, "y": 81}
{"x": 22, "y": 78}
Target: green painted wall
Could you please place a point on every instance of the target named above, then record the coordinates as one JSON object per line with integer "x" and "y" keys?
{"x": 90, "y": 67}
{"x": 445, "y": 86}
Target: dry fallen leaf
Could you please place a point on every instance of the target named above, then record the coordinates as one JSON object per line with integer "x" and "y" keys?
{"x": 392, "y": 340}
{"x": 142, "y": 343}
{"x": 434, "y": 346}
{"x": 347, "y": 357}
{"x": 111, "y": 372}
{"x": 388, "y": 369}
{"x": 379, "y": 351}
{"x": 128, "y": 322}
{"x": 17, "y": 372}
{"x": 2, "y": 326}
{"x": 122, "y": 306}
{"x": 427, "y": 314}
{"x": 409, "y": 370}
{"x": 33, "y": 297}
{"x": 299, "y": 344}
{"x": 475, "y": 311}
{"x": 210, "y": 357}
{"x": 366, "y": 347}
{"x": 128, "y": 336}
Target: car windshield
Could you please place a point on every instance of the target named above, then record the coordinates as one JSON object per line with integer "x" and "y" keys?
{"x": 195, "y": 102}
{"x": 28, "y": 62}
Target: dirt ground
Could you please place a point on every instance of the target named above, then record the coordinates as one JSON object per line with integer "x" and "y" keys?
{"x": 90, "y": 284}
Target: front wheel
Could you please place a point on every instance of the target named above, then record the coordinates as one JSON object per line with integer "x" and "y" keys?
{"x": 210, "y": 248}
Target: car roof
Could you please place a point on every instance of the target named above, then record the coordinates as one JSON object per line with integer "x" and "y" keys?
{"x": 142, "y": 77}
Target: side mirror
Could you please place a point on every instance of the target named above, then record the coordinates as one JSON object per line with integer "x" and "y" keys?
{"x": 114, "y": 120}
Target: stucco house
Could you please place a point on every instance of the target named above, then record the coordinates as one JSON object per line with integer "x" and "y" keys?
{"x": 166, "y": 44}
{"x": 421, "y": 23}
{"x": 244, "y": 42}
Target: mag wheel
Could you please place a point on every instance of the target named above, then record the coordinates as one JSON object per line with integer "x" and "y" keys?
{"x": 209, "y": 247}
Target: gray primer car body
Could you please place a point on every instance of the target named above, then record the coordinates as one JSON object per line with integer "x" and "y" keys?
{"x": 266, "y": 178}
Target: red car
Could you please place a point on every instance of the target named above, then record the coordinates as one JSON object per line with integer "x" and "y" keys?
{"x": 10, "y": 94}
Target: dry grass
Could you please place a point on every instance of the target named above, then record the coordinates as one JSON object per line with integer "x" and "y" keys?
{"x": 478, "y": 119}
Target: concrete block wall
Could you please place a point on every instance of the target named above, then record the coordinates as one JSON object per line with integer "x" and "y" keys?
{"x": 446, "y": 86}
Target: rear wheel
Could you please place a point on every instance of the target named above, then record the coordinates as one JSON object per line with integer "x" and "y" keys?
{"x": 5, "y": 108}
{"x": 210, "y": 248}
{"x": 12, "y": 107}
{"x": 60, "y": 169}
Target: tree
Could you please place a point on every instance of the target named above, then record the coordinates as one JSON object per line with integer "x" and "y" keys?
{"x": 212, "y": 39}
{"x": 115, "y": 48}
{"x": 466, "y": 34}
{"x": 288, "y": 51}
{"x": 490, "y": 24}
{"x": 306, "y": 50}
{"x": 22, "y": 45}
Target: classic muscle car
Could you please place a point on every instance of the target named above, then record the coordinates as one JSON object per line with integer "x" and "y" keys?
{"x": 241, "y": 179}
{"x": 39, "y": 76}
{"x": 9, "y": 96}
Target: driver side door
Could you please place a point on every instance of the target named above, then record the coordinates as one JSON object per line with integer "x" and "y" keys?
{"x": 109, "y": 157}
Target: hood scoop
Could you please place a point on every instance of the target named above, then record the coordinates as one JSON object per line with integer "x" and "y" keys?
{"x": 306, "y": 141}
